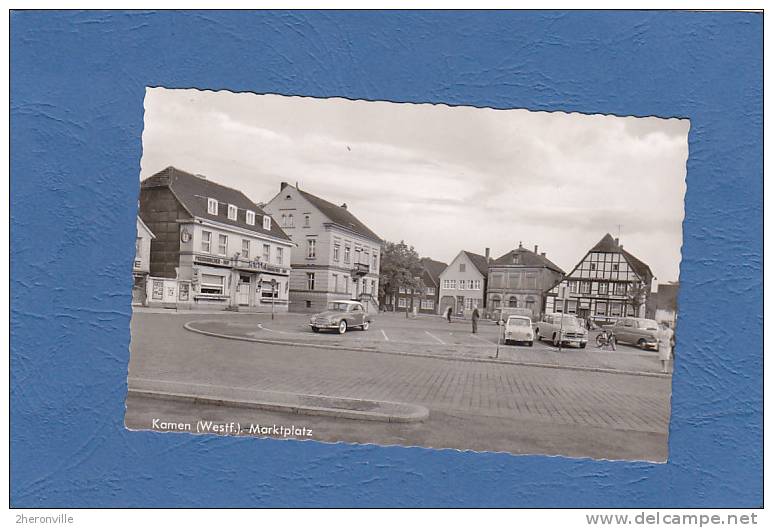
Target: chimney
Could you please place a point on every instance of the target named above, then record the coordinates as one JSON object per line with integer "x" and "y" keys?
{"x": 344, "y": 207}
{"x": 542, "y": 254}
{"x": 488, "y": 254}
{"x": 536, "y": 248}
{"x": 283, "y": 185}
{"x": 520, "y": 244}
{"x": 617, "y": 241}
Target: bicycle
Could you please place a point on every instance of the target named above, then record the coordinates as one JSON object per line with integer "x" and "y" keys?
{"x": 604, "y": 340}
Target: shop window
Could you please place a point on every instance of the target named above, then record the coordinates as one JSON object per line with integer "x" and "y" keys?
{"x": 212, "y": 284}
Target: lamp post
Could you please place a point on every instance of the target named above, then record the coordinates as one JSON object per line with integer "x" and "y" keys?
{"x": 273, "y": 296}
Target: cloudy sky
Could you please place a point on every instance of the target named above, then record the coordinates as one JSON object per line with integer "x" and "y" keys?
{"x": 442, "y": 178}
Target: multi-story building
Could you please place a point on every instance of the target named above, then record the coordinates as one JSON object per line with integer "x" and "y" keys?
{"x": 662, "y": 305}
{"x": 423, "y": 299}
{"x": 463, "y": 284}
{"x": 608, "y": 283}
{"x": 141, "y": 268}
{"x": 520, "y": 279}
{"x": 214, "y": 248}
{"x": 338, "y": 256}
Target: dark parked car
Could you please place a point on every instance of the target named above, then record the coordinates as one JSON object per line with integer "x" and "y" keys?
{"x": 340, "y": 316}
{"x": 636, "y": 331}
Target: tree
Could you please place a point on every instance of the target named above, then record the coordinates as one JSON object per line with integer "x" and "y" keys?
{"x": 637, "y": 295}
{"x": 400, "y": 268}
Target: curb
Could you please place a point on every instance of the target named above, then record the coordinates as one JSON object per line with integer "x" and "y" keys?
{"x": 410, "y": 413}
{"x": 430, "y": 356}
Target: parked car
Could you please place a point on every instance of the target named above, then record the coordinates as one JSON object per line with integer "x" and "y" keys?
{"x": 561, "y": 328}
{"x": 636, "y": 331}
{"x": 500, "y": 315}
{"x": 341, "y": 316}
{"x": 518, "y": 330}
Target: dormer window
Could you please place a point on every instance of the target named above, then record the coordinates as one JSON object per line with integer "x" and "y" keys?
{"x": 232, "y": 211}
{"x": 267, "y": 223}
{"x": 212, "y": 206}
{"x": 251, "y": 217}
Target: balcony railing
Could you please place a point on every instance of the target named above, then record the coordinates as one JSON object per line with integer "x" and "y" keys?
{"x": 240, "y": 263}
{"x": 361, "y": 268}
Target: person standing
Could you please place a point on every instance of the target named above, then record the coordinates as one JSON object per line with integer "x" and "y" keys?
{"x": 475, "y": 317}
{"x": 665, "y": 346}
{"x": 448, "y": 313}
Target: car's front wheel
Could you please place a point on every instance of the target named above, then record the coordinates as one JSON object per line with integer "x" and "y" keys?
{"x": 531, "y": 343}
{"x": 342, "y": 327}
{"x": 642, "y": 344}
{"x": 314, "y": 329}
{"x": 555, "y": 340}
{"x": 366, "y": 325}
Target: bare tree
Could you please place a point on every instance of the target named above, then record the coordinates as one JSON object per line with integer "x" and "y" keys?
{"x": 636, "y": 294}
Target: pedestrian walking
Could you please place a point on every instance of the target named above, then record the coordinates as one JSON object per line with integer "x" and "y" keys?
{"x": 448, "y": 313}
{"x": 665, "y": 346}
{"x": 475, "y": 317}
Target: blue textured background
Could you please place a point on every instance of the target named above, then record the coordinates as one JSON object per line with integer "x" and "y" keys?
{"x": 77, "y": 85}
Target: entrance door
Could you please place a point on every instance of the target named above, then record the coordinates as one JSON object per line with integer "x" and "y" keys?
{"x": 243, "y": 291}
{"x": 460, "y": 304}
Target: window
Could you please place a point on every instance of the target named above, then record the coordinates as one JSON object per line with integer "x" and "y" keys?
{"x": 347, "y": 254}
{"x": 222, "y": 244}
{"x": 311, "y": 248}
{"x": 310, "y": 281}
{"x": 601, "y": 308}
{"x": 245, "y": 249}
{"x": 306, "y": 220}
{"x": 267, "y": 222}
{"x": 430, "y": 291}
{"x": 402, "y": 289}
{"x": 593, "y": 266}
{"x": 206, "y": 241}
{"x": 212, "y": 284}
{"x": 530, "y": 304}
{"x": 336, "y": 252}
{"x": 619, "y": 288}
{"x": 427, "y": 304}
{"x": 462, "y": 267}
{"x": 375, "y": 262}
{"x": 462, "y": 285}
{"x": 585, "y": 287}
{"x": 615, "y": 267}
{"x": 468, "y": 303}
{"x": 250, "y": 217}
{"x": 477, "y": 285}
{"x": 402, "y": 302}
{"x": 212, "y": 206}
{"x": 453, "y": 284}
{"x": 291, "y": 222}
{"x": 346, "y": 283}
{"x": 279, "y": 256}
{"x": 602, "y": 288}
{"x": 266, "y": 253}
{"x": 573, "y": 286}
{"x": 571, "y": 307}
{"x": 513, "y": 303}
{"x": 232, "y": 212}
{"x": 284, "y": 220}
{"x": 267, "y": 291}
{"x": 335, "y": 282}
{"x": 308, "y": 303}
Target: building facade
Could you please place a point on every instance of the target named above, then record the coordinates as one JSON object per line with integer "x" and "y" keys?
{"x": 608, "y": 283}
{"x": 214, "y": 248}
{"x": 463, "y": 284}
{"x": 423, "y": 299}
{"x": 663, "y": 303}
{"x": 521, "y": 279}
{"x": 337, "y": 256}
{"x": 141, "y": 268}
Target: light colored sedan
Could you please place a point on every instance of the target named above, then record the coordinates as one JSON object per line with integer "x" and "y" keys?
{"x": 518, "y": 330}
{"x": 341, "y": 316}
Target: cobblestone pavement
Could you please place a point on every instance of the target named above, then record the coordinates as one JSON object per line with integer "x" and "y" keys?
{"x": 434, "y": 336}
{"x": 621, "y": 415}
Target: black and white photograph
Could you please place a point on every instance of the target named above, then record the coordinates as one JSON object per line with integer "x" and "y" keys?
{"x": 420, "y": 275}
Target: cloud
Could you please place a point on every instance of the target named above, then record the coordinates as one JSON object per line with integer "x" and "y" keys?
{"x": 442, "y": 178}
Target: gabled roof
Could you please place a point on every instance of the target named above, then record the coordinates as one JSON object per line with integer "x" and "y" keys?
{"x": 610, "y": 245}
{"x": 526, "y": 258}
{"x": 479, "y": 261}
{"x": 433, "y": 268}
{"x": 340, "y": 216}
{"x": 192, "y": 192}
{"x": 146, "y": 228}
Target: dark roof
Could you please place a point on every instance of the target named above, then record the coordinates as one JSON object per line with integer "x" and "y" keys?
{"x": 192, "y": 192}
{"x": 611, "y": 245}
{"x": 527, "y": 258}
{"x": 433, "y": 268}
{"x": 340, "y": 216}
{"x": 479, "y": 261}
{"x": 666, "y": 296}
